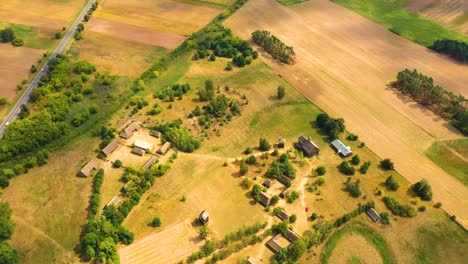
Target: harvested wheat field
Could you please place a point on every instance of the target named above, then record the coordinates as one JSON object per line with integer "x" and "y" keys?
{"x": 180, "y": 240}
{"x": 170, "y": 16}
{"x": 344, "y": 65}
{"x": 15, "y": 67}
{"x": 453, "y": 13}
{"x": 41, "y": 13}
{"x": 135, "y": 33}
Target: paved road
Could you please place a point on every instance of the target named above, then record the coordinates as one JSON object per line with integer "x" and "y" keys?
{"x": 61, "y": 46}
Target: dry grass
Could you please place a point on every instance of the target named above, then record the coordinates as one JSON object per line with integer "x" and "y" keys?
{"x": 345, "y": 65}
{"x": 41, "y": 13}
{"x": 116, "y": 55}
{"x": 352, "y": 245}
{"x": 162, "y": 15}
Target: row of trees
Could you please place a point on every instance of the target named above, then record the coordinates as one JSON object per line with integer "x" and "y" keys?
{"x": 444, "y": 103}
{"x": 454, "y": 48}
{"x": 8, "y": 255}
{"x": 86, "y": 18}
{"x": 330, "y": 126}
{"x": 397, "y": 208}
{"x": 170, "y": 93}
{"x": 274, "y": 46}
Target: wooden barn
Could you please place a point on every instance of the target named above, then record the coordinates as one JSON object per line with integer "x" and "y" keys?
{"x": 128, "y": 131}
{"x": 307, "y": 146}
{"x": 107, "y": 150}
{"x": 88, "y": 169}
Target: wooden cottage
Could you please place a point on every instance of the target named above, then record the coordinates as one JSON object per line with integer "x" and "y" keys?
{"x": 88, "y": 169}
{"x": 267, "y": 183}
{"x": 164, "y": 148}
{"x": 150, "y": 162}
{"x": 156, "y": 134}
{"x": 128, "y": 131}
{"x": 264, "y": 199}
{"x": 138, "y": 151}
{"x": 282, "y": 215}
{"x": 114, "y": 201}
{"x": 281, "y": 143}
{"x": 273, "y": 245}
{"x": 291, "y": 235}
{"x": 107, "y": 150}
{"x": 251, "y": 260}
{"x": 307, "y": 146}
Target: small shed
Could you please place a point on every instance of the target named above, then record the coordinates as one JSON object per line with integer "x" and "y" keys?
{"x": 267, "y": 183}
{"x": 281, "y": 143}
{"x": 156, "y": 134}
{"x": 284, "y": 180}
{"x": 164, "y": 148}
{"x": 88, "y": 169}
{"x": 264, "y": 199}
{"x": 150, "y": 162}
{"x": 372, "y": 213}
{"x": 204, "y": 218}
{"x": 307, "y": 146}
{"x": 282, "y": 215}
{"x": 273, "y": 245}
{"x": 128, "y": 131}
{"x": 107, "y": 150}
{"x": 291, "y": 235}
{"x": 251, "y": 260}
{"x": 138, "y": 151}
{"x": 284, "y": 193}
{"x": 114, "y": 201}
{"x": 341, "y": 149}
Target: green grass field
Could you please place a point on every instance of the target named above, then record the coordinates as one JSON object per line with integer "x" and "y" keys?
{"x": 371, "y": 235}
{"x": 401, "y": 21}
{"x": 33, "y": 37}
{"x": 451, "y": 157}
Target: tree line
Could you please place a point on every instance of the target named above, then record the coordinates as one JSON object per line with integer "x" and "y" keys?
{"x": 274, "y": 46}
{"x": 442, "y": 102}
{"x": 8, "y": 255}
{"x": 333, "y": 127}
{"x": 454, "y": 48}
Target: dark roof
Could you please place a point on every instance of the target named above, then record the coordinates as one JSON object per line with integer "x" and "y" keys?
{"x": 138, "y": 151}
{"x": 273, "y": 245}
{"x": 284, "y": 193}
{"x": 264, "y": 199}
{"x": 307, "y": 146}
{"x": 282, "y": 215}
{"x": 128, "y": 132}
{"x": 88, "y": 168}
{"x": 291, "y": 235}
{"x": 267, "y": 183}
{"x": 155, "y": 134}
{"x": 374, "y": 215}
{"x": 284, "y": 180}
{"x": 150, "y": 162}
{"x": 110, "y": 148}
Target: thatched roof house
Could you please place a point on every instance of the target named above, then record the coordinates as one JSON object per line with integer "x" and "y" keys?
{"x": 284, "y": 193}
{"x": 267, "y": 183}
{"x": 138, "y": 151}
{"x": 291, "y": 235}
{"x": 156, "y": 134}
{"x": 281, "y": 143}
{"x": 284, "y": 180}
{"x": 150, "y": 162}
{"x": 273, "y": 245}
{"x": 282, "y": 215}
{"x": 128, "y": 131}
{"x": 88, "y": 169}
{"x": 264, "y": 199}
{"x": 251, "y": 260}
{"x": 106, "y": 151}
{"x": 307, "y": 146}
{"x": 164, "y": 148}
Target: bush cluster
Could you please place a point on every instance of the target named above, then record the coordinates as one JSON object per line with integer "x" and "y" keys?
{"x": 179, "y": 136}
{"x": 170, "y": 93}
{"x": 330, "y": 126}
{"x": 456, "y": 49}
{"x": 281, "y": 167}
{"x": 398, "y": 209}
{"x": 354, "y": 188}
{"x": 346, "y": 169}
{"x": 423, "y": 190}
{"x": 274, "y": 46}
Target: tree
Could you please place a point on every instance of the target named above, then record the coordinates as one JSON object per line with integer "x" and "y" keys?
{"x": 203, "y": 232}
{"x": 248, "y": 150}
{"x": 58, "y": 35}
{"x": 345, "y": 168}
{"x": 297, "y": 249}
{"x": 391, "y": 183}
{"x": 8, "y": 255}
{"x": 156, "y": 221}
{"x": 353, "y": 188}
{"x": 3, "y": 101}
{"x": 251, "y": 160}
{"x": 364, "y": 167}
{"x": 423, "y": 190}
{"x": 281, "y": 92}
{"x": 33, "y": 69}
{"x": 355, "y": 160}
{"x": 117, "y": 164}
{"x": 7, "y": 35}
{"x": 243, "y": 168}
{"x": 320, "y": 170}
{"x": 264, "y": 145}
{"x": 293, "y": 196}
{"x": 292, "y": 218}
{"x": 208, "y": 92}
{"x": 17, "y": 42}
{"x": 386, "y": 164}
{"x": 6, "y": 224}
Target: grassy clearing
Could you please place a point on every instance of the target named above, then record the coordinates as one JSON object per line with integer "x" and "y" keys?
{"x": 451, "y": 157}
{"x": 291, "y": 2}
{"x": 34, "y": 37}
{"x": 441, "y": 242}
{"x": 372, "y": 236}
{"x": 401, "y": 21}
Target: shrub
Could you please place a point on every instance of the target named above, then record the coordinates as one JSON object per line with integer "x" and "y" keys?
{"x": 320, "y": 170}
{"x": 117, "y": 164}
{"x": 264, "y": 145}
{"x": 438, "y": 205}
{"x": 353, "y": 188}
{"x": 422, "y": 208}
{"x": 321, "y": 180}
{"x": 3, "y": 101}
{"x": 243, "y": 168}
{"x": 248, "y": 150}
{"x": 355, "y": 160}
{"x": 391, "y": 183}
{"x": 274, "y": 200}
{"x": 346, "y": 169}
{"x": 292, "y": 196}
{"x": 7, "y": 35}
{"x": 251, "y": 160}
{"x": 17, "y": 42}
{"x": 386, "y": 164}
{"x": 281, "y": 92}
{"x": 423, "y": 190}
{"x": 352, "y": 137}
{"x": 156, "y": 221}
{"x": 364, "y": 167}
{"x": 385, "y": 218}
{"x": 293, "y": 218}
{"x": 398, "y": 209}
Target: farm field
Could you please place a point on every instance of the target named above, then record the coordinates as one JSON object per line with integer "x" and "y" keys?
{"x": 115, "y": 55}
{"x": 33, "y": 37}
{"x": 349, "y": 76}
{"x": 452, "y": 13}
{"x": 170, "y": 16}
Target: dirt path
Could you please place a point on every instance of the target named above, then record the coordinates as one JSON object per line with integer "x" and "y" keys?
{"x": 344, "y": 65}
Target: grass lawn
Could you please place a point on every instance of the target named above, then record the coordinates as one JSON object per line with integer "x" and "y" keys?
{"x": 451, "y": 157}
{"x": 34, "y": 37}
{"x": 401, "y": 21}
{"x": 371, "y": 235}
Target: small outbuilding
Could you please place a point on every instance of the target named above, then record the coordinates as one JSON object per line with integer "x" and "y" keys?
{"x": 372, "y": 213}
{"x": 281, "y": 143}
{"x": 267, "y": 183}
{"x": 273, "y": 245}
{"x": 264, "y": 199}
{"x": 138, "y": 151}
{"x": 251, "y": 260}
{"x": 284, "y": 180}
{"x": 155, "y": 134}
{"x": 88, "y": 169}
{"x": 129, "y": 130}
{"x": 164, "y": 148}
{"x": 282, "y": 215}
{"x": 107, "y": 150}
{"x": 341, "y": 149}
{"x": 284, "y": 193}
{"x": 150, "y": 162}
{"x": 291, "y": 235}
{"x": 204, "y": 218}
{"x": 307, "y": 146}
{"x": 114, "y": 201}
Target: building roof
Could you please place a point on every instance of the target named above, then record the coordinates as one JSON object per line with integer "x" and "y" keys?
{"x": 341, "y": 148}
{"x": 138, "y": 151}
{"x": 150, "y": 162}
{"x": 284, "y": 180}
{"x": 251, "y": 260}
{"x": 264, "y": 199}
{"x": 115, "y": 200}
{"x": 128, "y": 131}
{"x": 155, "y": 134}
{"x": 307, "y": 145}
{"x": 374, "y": 215}
{"x": 143, "y": 145}
{"x": 163, "y": 149}
{"x": 267, "y": 183}
{"x": 204, "y": 215}
{"x": 282, "y": 215}
{"x": 110, "y": 148}
{"x": 291, "y": 235}
{"x": 88, "y": 168}
{"x": 285, "y": 192}
{"x": 273, "y": 244}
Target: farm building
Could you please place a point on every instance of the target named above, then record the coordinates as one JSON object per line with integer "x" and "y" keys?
{"x": 204, "y": 217}
{"x": 156, "y": 134}
{"x": 341, "y": 149}
{"x": 282, "y": 215}
{"x": 281, "y": 143}
{"x": 264, "y": 199}
{"x": 372, "y": 213}
{"x": 267, "y": 183}
{"x": 88, "y": 169}
{"x": 284, "y": 193}
{"x": 143, "y": 145}
{"x": 291, "y": 235}
{"x": 114, "y": 201}
{"x": 307, "y": 146}
{"x": 251, "y": 260}
{"x": 106, "y": 151}
{"x": 164, "y": 148}
{"x": 138, "y": 151}
{"x": 284, "y": 180}
{"x": 150, "y": 162}
{"x": 273, "y": 245}
{"x": 128, "y": 131}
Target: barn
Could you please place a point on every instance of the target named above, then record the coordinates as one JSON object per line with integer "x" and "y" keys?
{"x": 307, "y": 146}
{"x": 341, "y": 149}
{"x": 128, "y": 131}
{"x": 88, "y": 169}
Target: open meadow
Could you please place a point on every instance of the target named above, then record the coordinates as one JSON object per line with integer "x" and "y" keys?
{"x": 345, "y": 66}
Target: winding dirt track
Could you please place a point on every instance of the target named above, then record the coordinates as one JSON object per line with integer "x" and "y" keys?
{"x": 344, "y": 65}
